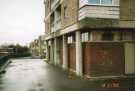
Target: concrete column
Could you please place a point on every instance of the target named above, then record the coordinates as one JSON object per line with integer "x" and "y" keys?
{"x": 55, "y": 51}
{"x": 52, "y": 52}
{"x": 65, "y": 52}
{"x": 47, "y": 51}
{"x": 40, "y": 48}
{"x": 79, "y": 63}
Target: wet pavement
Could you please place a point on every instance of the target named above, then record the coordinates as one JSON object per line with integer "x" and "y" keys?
{"x": 36, "y": 75}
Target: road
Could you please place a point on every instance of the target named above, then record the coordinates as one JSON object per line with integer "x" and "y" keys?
{"x": 36, "y": 75}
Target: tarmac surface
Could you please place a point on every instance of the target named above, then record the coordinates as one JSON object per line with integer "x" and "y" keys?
{"x": 37, "y": 75}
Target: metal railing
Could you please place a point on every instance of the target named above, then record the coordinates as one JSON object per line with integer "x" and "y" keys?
{"x": 3, "y": 59}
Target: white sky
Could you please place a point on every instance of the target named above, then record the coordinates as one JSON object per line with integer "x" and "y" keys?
{"x": 21, "y": 21}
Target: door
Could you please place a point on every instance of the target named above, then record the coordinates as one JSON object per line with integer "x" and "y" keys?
{"x": 129, "y": 58}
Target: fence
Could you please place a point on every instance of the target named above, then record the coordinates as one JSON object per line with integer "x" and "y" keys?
{"x": 3, "y": 60}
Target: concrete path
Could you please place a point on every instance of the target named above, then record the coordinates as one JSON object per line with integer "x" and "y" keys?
{"x": 36, "y": 75}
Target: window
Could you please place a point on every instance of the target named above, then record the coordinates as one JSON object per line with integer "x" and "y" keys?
{"x": 85, "y": 37}
{"x": 94, "y": 1}
{"x": 52, "y": 1}
{"x": 58, "y": 14}
{"x": 107, "y": 36}
{"x": 47, "y": 8}
{"x": 70, "y": 40}
{"x": 65, "y": 12}
{"x": 100, "y": 2}
{"x": 106, "y": 1}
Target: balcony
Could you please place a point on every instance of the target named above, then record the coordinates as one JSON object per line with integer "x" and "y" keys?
{"x": 52, "y": 27}
{"x": 56, "y": 19}
{"x": 57, "y": 24}
{"x": 106, "y": 10}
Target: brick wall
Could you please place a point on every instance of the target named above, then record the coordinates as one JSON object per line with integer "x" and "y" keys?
{"x": 47, "y": 7}
{"x": 69, "y": 12}
{"x": 47, "y": 21}
{"x": 47, "y": 26}
{"x": 127, "y": 9}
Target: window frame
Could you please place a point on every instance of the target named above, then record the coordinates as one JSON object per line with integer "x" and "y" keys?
{"x": 70, "y": 39}
{"x": 85, "y": 37}
{"x": 65, "y": 11}
{"x": 103, "y": 4}
{"x": 107, "y": 36}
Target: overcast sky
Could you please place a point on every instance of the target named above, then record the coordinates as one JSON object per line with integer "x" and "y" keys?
{"x": 21, "y": 21}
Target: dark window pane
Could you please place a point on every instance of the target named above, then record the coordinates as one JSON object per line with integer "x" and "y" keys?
{"x": 107, "y": 36}
{"x": 94, "y": 1}
{"x": 106, "y": 1}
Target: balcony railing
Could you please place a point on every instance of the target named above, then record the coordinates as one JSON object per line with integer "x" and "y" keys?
{"x": 93, "y": 11}
{"x": 110, "y": 10}
{"x": 56, "y": 25}
{"x": 52, "y": 27}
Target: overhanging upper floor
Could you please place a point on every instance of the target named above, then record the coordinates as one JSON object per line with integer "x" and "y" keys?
{"x": 99, "y": 9}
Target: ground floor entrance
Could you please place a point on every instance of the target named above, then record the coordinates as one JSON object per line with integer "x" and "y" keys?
{"x": 96, "y": 53}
